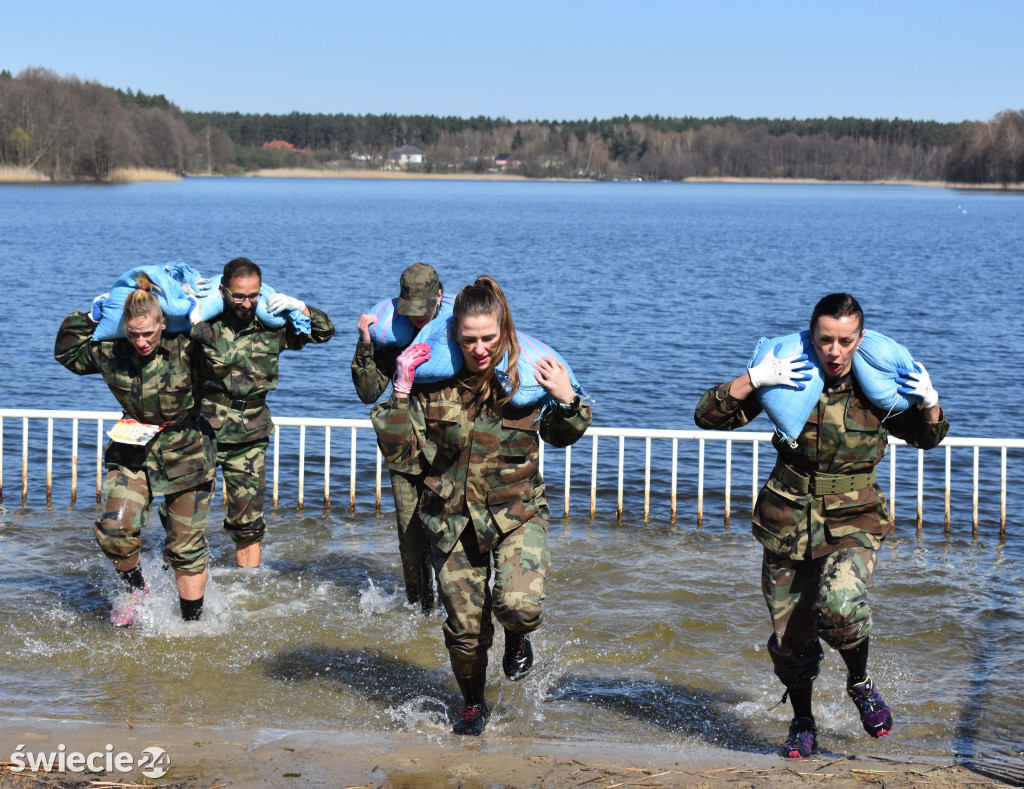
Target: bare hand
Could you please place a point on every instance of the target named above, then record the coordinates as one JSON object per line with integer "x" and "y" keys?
{"x": 553, "y": 376}
{"x": 365, "y": 321}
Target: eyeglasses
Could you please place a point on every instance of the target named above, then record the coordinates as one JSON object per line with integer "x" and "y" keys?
{"x": 238, "y": 298}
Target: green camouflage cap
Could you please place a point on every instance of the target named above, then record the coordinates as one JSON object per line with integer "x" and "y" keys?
{"x": 420, "y": 285}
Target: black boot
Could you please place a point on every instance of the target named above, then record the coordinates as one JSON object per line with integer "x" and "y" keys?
{"x": 426, "y": 574}
{"x": 473, "y": 717}
{"x": 518, "y": 658}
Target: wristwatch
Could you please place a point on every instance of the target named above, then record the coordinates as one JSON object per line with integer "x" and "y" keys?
{"x": 572, "y": 407}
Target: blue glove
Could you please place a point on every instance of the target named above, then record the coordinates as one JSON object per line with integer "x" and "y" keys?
{"x": 917, "y": 383}
{"x": 97, "y": 307}
{"x": 773, "y": 371}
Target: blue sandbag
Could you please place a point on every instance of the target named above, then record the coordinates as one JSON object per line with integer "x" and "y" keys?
{"x": 394, "y": 329}
{"x": 173, "y": 299}
{"x": 789, "y": 408}
{"x": 875, "y": 365}
{"x": 212, "y": 305}
{"x": 446, "y": 360}
{"x": 175, "y": 303}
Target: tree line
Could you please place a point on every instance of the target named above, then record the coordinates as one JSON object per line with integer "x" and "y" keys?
{"x": 74, "y": 130}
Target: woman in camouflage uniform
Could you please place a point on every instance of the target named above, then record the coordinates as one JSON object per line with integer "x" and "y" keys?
{"x": 154, "y": 376}
{"x": 821, "y": 516}
{"x": 483, "y": 497}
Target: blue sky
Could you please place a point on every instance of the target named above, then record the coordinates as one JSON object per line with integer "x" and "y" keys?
{"x": 934, "y": 60}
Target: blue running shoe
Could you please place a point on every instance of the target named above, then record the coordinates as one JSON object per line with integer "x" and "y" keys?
{"x": 471, "y": 720}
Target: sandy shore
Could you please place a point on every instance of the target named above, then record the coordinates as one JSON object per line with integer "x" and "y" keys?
{"x": 203, "y": 758}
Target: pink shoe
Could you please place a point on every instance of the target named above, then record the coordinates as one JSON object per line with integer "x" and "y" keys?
{"x": 124, "y": 610}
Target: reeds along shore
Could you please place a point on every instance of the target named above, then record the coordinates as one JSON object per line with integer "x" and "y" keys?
{"x": 124, "y": 175}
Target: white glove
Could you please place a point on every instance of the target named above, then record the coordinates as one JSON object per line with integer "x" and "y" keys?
{"x": 195, "y": 315}
{"x": 917, "y": 383}
{"x": 773, "y": 371}
{"x": 278, "y": 302}
{"x": 97, "y": 307}
{"x": 202, "y": 286}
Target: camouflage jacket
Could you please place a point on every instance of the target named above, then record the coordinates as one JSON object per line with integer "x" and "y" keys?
{"x": 373, "y": 368}
{"x": 481, "y": 461}
{"x": 253, "y": 352}
{"x": 156, "y": 389}
{"x": 845, "y": 434}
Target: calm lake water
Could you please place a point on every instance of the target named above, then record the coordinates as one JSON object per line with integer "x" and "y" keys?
{"x": 654, "y": 292}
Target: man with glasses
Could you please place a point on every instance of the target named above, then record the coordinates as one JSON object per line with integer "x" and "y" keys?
{"x": 236, "y": 405}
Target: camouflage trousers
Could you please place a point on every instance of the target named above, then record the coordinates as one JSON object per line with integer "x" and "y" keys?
{"x": 126, "y": 501}
{"x": 824, "y": 598}
{"x": 413, "y": 544}
{"x": 521, "y": 563}
{"x": 244, "y": 467}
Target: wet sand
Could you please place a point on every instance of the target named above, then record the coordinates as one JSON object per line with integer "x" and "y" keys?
{"x": 203, "y": 757}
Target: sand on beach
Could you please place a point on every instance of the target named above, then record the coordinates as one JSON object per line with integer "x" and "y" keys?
{"x": 203, "y": 758}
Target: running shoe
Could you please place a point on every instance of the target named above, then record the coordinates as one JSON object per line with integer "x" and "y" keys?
{"x": 518, "y": 658}
{"x": 124, "y": 610}
{"x": 802, "y": 740}
{"x": 874, "y": 712}
{"x": 471, "y": 720}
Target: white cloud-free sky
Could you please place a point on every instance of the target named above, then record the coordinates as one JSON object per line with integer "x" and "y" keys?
{"x": 941, "y": 60}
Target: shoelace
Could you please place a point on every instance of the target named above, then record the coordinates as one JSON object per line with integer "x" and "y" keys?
{"x": 471, "y": 713}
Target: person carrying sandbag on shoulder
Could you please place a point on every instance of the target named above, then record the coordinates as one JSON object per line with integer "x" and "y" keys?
{"x": 162, "y": 446}
{"x": 384, "y": 333}
{"x": 821, "y": 516}
{"x": 482, "y": 500}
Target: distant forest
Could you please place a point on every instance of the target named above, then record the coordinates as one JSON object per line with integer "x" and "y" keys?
{"x": 72, "y": 130}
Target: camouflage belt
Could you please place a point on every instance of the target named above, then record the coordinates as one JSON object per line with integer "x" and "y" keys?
{"x": 238, "y": 404}
{"x": 822, "y": 484}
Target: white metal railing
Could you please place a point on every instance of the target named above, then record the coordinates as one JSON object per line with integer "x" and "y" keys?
{"x": 701, "y": 437}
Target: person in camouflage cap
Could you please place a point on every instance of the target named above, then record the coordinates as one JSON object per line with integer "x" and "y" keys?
{"x": 153, "y": 375}
{"x": 372, "y": 369}
{"x": 236, "y": 406}
{"x": 821, "y": 516}
{"x": 482, "y": 499}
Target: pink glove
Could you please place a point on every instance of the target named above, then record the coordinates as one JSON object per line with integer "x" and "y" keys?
{"x": 407, "y": 362}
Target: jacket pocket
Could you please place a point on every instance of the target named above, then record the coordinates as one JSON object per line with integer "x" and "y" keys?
{"x": 185, "y": 452}
{"x": 435, "y": 502}
{"x": 512, "y": 505}
{"x": 777, "y": 513}
{"x": 857, "y": 511}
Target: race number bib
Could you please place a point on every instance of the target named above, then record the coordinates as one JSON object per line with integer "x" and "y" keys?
{"x": 130, "y": 431}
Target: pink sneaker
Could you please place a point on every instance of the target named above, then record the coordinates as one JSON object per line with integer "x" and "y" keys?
{"x": 124, "y": 610}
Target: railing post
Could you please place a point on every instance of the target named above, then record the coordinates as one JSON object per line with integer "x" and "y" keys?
{"x": 622, "y": 461}
{"x": 49, "y": 462}
{"x": 949, "y": 452}
{"x": 302, "y": 464}
{"x": 1002, "y": 495}
{"x": 74, "y": 460}
{"x": 920, "y": 491}
{"x": 99, "y": 461}
{"x": 974, "y": 498}
{"x": 593, "y": 480}
{"x": 568, "y": 484}
{"x": 647, "y": 479}
{"x": 24, "y": 461}
{"x": 754, "y": 476}
{"x": 377, "y": 476}
{"x": 892, "y": 484}
{"x": 352, "y": 472}
{"x": 2, "y": 459}
{"x": 675, "y": 475}
{"x": 700, "y": 483}
{"x": 277, "y": 457}
{"x": 327, "y": 468}
{"x": 728, "y": 481}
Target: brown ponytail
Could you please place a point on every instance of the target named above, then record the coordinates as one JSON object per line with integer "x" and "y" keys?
{"x": 485, "y": 297}
{"x": 142, "y": 302}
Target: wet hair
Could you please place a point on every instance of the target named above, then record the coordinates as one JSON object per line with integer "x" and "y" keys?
{"x": 240, "y": 267}
{"x": 484, "y": 297}
{"x": 142, "y": 302}
{"x": 837, "y": 305}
